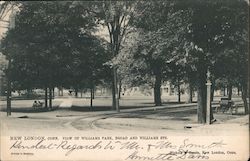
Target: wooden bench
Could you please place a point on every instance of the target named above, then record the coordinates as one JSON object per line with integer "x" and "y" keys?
{"x": 227, "y": 104}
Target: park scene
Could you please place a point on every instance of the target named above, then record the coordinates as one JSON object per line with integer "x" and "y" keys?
{"x": 74, "y": 66}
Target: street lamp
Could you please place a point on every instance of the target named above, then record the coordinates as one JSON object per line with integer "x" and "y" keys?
{"x": 208, "y": 84}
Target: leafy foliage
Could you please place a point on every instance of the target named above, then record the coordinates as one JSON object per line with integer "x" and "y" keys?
{"x": 52, "y": 45}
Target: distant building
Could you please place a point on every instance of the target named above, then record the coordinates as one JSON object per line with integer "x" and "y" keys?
{"x": 167, "y": 89}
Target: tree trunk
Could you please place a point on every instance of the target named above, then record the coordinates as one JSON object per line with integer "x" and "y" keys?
{"x": 76, "y": 93}
{"x": 212, "y": 99}
{"x": 9, "y": 89}
{"x": 244, "y": 98}
{"x": 211, "y": 113}
{"x": 120, "y": 88}
{"x": 115, "y": 99}
{"x": 46, "y": 98}
{"x": 91, "y": 98}
{"x": 53, "y": 92}
{"x": 50, "y": 98}
{"x": 8, "y": 96}
{"x": 202, "y": 95}
{"x": 113, "y": 96}
{"x": 201, "y": 109}
{"x": 212, "y": 93}
{"x": 93, "y": 92}
{"x": 157, "y": 89}
{"x": 59, "y": 91}
{"x": 179, "y": 92}
{"x": 238, "y": 90}
{"x": 28, "y": 93}
{"x": 230, "y": 91}
{"x": 114, "y": 34}
{"x": 190, "y": 93}
{"x": 212, "y": 90}
{"x": 247, "y": 109}
{"x": 224, "y": 91}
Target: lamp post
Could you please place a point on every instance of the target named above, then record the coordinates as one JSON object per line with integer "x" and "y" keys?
{"x": 11, "y": 26}
{"x": 208, "y": 84}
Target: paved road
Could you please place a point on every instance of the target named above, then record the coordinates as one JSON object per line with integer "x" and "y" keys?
{"x": 170, "y": 117}
{"x": 169, "y": 121}
{"x": 173, "y": 118}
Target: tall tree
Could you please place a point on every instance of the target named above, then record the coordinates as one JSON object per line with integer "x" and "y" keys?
{"x": 117, "y": 16}
{"x": 213, "y": 28}
{"x": 161, "y": 26}
{"x": 114, "y": 16}
{"x": 42, "y": 45}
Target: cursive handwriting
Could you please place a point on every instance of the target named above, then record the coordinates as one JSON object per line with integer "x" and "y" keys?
{"x": 70, "y": 148}
{"x": 169, "y": 150}
{"x": 187, "y": 154}
{"x": 39, "y": 145}
{"x": 181, "y": 155}
{"x": 64, "y": 145}
{"x": 129, "y": 145}
{"x": 136, "y": 156}
{"x": 187, "y": 144}
{"x": 161, "y": 145}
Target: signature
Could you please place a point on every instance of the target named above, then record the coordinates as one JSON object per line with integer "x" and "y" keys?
{"x": 180, "y": 155}
{"x": 186, "y": 144}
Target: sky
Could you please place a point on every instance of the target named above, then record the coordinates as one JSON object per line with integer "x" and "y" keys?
{"x": 5, "y": 24}
{"x": 4, "y": 20}
{"x": 2, "y": 29}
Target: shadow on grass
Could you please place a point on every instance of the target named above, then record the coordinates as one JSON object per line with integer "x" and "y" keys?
{"x": 30, "y": 110}
{"x": 161, "y": 113}
{"x": 108, "y": 108}
{"x": 240, "y": 114}
{"x": 164, "y": 103}
{"x": 177, "y": 115}
{"x": 102, "y": 108}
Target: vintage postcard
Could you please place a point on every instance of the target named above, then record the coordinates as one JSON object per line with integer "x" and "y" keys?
{"x": 163, "y": 80}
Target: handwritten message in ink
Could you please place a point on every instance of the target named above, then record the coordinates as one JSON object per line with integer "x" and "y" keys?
{"x": 132, "y": 147}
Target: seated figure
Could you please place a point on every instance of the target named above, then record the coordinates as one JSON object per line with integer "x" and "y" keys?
{"x": 37, "y": 104}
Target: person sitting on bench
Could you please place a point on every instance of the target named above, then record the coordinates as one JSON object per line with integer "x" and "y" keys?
{"x": 37, "y": 104}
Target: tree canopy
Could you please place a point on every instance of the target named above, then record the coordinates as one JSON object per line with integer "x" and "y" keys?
{"x": 148, "y": 42}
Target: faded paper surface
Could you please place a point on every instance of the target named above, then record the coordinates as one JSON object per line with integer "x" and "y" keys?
{"x": 75, "y": 137}
{"x": 207, "y": 142}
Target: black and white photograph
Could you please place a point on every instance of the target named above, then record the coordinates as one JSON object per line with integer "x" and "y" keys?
{"x": 124, "y": 80}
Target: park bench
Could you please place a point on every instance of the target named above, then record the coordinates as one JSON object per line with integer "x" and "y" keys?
{"x": 227, "y": 104}
{"x": 37, "y": 104}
